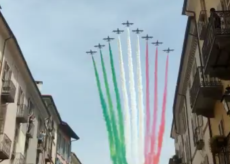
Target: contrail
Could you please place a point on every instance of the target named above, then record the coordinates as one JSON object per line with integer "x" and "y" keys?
{"x": 111, "y": 111}
{"x": 105, "y": 115}
{"x": 119, "y": 111}
{"x": 126, "y": 103}
{"x": 162, "y": 124}
{"x": 140, "y": 103}
{"x": 147, "y": 137}
{"x": 153, "y": 135}
{"x": 133, "y": 100}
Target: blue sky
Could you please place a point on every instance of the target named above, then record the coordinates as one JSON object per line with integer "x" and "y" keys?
{"x": 54, "y": 36}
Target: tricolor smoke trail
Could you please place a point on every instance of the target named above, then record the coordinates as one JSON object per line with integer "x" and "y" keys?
{"x": 119, "y": 110}
{"x": 111, "y": 110}
{"x": 153, "y": 135}
{"x": 140, "y": 104}
{"x": 133, "y": 100}
{"x": 105, "y": 115}
{"x": 147, "y": 137}
{"x": 125, "y": 102}
{"x": 162, "y": 123}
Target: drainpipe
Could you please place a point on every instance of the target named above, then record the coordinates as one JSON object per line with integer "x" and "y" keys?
{"x": 201, "y": 63}
{"x": 186, "y": 106}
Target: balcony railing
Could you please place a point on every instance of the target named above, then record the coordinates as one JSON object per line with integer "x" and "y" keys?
{"x": 8, "y": 91}
{"x": 19, "y": 158}
{"x": 204, "y": 92}
{"x": 5, "y": 146}
{"x": 22, "y": 113}
{"x": 202, "y": 24}
{"x": 216, "y": 46}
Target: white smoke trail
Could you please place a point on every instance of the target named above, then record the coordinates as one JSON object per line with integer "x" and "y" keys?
{"x": 126, "y": 103}
{"x": 140, "y": 104}
{"x": 134, "y": 125}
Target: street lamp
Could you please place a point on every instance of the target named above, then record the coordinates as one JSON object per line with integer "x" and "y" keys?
{"x": 226, "y": 100}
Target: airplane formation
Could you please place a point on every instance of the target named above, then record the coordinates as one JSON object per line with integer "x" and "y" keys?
{"x": 137, "y": 31}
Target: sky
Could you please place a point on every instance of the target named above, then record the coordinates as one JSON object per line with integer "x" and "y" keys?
{"x": 54, "y": 36}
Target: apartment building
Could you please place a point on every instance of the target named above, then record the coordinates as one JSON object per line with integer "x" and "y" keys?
{"x": 54, "y": 123}
{"x": 74, "y": 159}
{"x": 22, "y": 109}
{"x": 65, "y": 134}
{"x": 201, "y": 122}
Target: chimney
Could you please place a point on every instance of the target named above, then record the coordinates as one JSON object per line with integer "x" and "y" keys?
{"x": 39, "y": 85}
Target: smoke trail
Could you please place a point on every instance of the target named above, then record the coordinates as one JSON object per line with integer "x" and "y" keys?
{"x": 147, "y": 103}
{"x": 133, "y": 99}
{"x": 126, "y": 102}
{"x": 162, "y": 124}
{"x": 119, "y": 111}
{"x": 153, "y": 136}
{"x": 105, "y": 115}
{"x": 111, "y": 110}
{"x": 140, "y": 104}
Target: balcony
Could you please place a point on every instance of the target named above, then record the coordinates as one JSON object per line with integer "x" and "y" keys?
{"x": 204, "y": 92}
{"x": 216, "y": 47}
{"x": 19, "y": 158}
{"x": 22, "y": 113}
{"x": 30, "y": 130}
{"x": 202, "y": 24}
{"x": 5, "y": 146}
{"x": 8, "y": 91}
{"x": 48, "y": 156}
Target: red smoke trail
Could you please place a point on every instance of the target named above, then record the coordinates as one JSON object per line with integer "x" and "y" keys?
{"x": 153, "y": 135}
{"x": 162, "y": 124}
{"x": 147, "y": 104}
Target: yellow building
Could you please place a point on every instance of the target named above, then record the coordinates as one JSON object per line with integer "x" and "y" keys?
{"x": 201, "y": 109}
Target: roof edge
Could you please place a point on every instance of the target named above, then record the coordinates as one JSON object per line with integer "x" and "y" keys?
{"x": 52, "y": 100}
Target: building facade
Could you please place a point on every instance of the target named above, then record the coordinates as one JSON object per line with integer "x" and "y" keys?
{"x": 29, "y": 122}
{"x": 201, "y": 122}
{"x": 50, "y": 104}
{"x": 74, "y": 159}
{"x": 65, "y": 134}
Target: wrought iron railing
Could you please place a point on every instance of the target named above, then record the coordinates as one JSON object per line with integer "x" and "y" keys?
{"x": 22, "y": 111}
{"x": 8, "y": 87}
{"x": 5, "y": 144}
{"x": 19, "y": 159}
{"x": 201, "y": 80}
{"x": 215, "y": 29}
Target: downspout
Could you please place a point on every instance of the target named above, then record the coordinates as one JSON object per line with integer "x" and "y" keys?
{"x": 201, "y": 63}
{"x": 186, "y": 105}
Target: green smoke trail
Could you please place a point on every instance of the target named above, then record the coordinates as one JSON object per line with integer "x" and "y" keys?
{"x": 106, "y": 115}
{"x": 119, "y": 111}
{"x": 111, "y": 110}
